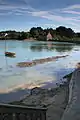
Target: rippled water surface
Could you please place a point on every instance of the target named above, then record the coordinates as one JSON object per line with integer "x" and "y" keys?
{"x": 14, "y": 81}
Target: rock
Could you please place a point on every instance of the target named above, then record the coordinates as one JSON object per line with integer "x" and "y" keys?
{"x": 36, "y": 91}
{"x": 78, "y": 65}
{"x": 38, "y": 61}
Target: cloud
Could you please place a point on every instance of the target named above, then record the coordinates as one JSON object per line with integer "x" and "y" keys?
{"x": 14, "y": 5}
{"x": 72, "y": 7}
{"x": 50, "y": 16}
{"x": 64, "y": 16}
{"x": 54, "y": 16}
{"x": 8, "y": 13}
{"x": 72, "y": 12}
{"x": 38, "y": 13}
{"x": 13, "y": 2}
{"x": 14, "y": 9}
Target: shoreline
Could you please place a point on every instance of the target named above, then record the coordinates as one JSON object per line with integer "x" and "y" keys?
{"x": 54, "y": 99}
{"x": 34, "y": 40}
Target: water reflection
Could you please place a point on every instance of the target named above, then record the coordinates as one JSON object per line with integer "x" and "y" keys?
{"x": 63, "y": 48}
{"x": 36, "y": 48}
{"x": 51, "y": 47}
{"x": 13, "y": 78}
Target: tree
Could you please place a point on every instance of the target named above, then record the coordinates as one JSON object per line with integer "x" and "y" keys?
{"x": 78, "y": 35}
{"x": 63, "y": 31}
{"x": 23, "y": 35}
{"x": 35, "y": 32}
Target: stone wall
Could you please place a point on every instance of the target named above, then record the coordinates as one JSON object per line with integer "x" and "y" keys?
{"x": 72, "y": 111}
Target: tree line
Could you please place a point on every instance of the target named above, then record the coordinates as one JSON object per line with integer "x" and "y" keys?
{"x": 38, "y": 33}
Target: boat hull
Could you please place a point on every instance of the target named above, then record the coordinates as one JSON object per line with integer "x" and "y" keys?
{"x": 10, "y": 54}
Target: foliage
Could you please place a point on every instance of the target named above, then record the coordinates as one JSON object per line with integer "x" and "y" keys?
{"x": 23, "y": 35}
{"x": 61, "y": 33}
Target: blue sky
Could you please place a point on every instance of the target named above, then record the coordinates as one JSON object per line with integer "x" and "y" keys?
{"x": 23, "y": 14}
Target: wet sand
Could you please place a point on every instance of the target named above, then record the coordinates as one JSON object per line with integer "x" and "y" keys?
{"x": 39, "y": 61}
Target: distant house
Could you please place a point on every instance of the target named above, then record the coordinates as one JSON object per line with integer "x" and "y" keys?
{"x": 49, "y": 36}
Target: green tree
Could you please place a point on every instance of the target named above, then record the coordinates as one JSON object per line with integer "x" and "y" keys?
{"x": 36, "y": 31}
{"x": 23, "y": 35}
{"x": 63, "y": 31}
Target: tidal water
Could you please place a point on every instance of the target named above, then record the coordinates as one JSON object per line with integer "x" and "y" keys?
{"x": 15, "y": 82}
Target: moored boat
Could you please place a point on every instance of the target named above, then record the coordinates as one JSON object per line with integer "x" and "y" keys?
{"x": 10, "y": 54}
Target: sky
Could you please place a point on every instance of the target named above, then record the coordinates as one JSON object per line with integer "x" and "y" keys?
{"x": 21, "y": 15}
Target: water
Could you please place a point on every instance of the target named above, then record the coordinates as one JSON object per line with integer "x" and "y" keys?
{"x": 15, "y": 82}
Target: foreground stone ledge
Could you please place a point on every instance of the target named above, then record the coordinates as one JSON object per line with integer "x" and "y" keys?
{"x": 72, "y": 111}
{"x": 18, "y": 112}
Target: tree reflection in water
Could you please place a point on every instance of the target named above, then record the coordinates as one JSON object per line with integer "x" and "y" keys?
{"x": 50, "y": 46}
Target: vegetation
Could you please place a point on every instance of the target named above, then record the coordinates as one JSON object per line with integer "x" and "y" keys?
{"x": 68, "y": 75}
{"x": 61, "y": 33}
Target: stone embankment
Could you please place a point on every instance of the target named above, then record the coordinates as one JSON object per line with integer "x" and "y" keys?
{"x": 72, "y": 111}
{"x": 39, "y": 61}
